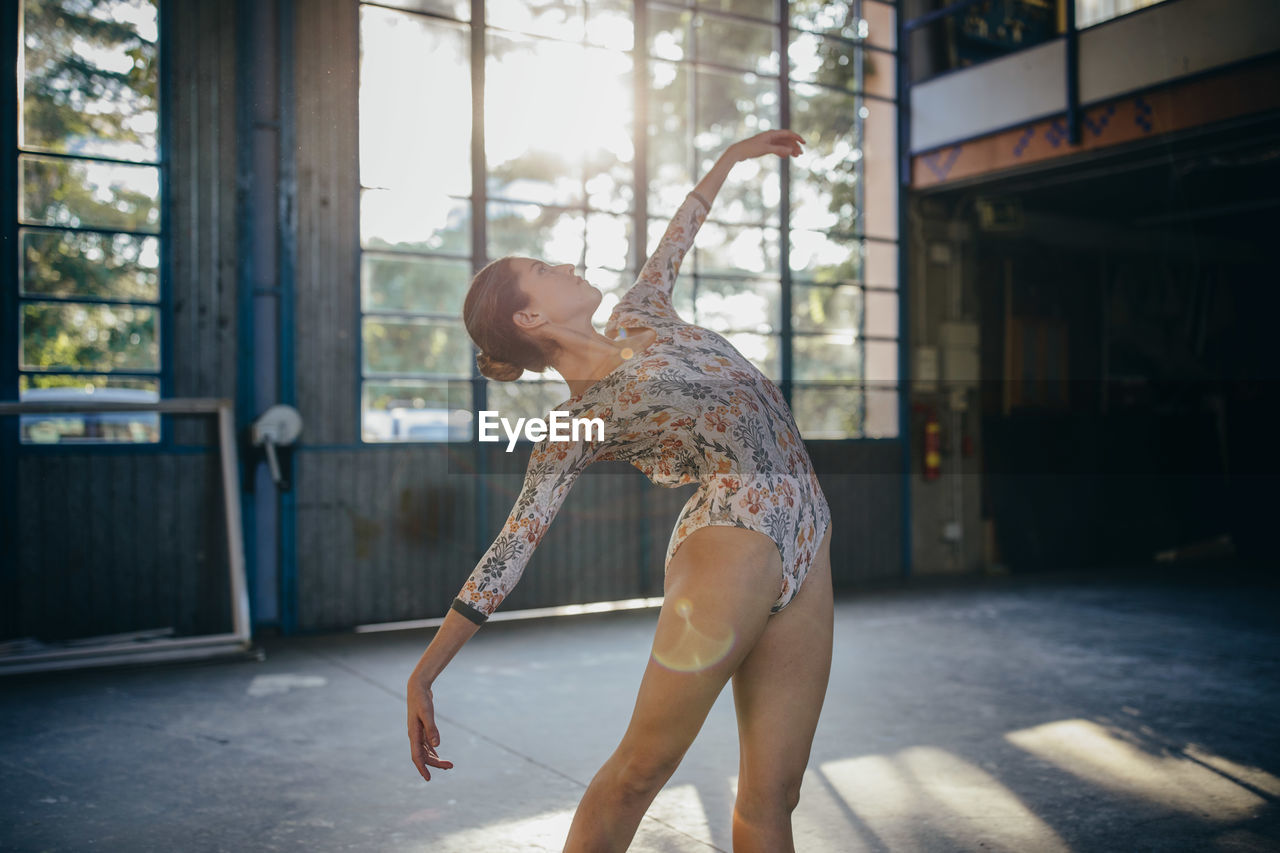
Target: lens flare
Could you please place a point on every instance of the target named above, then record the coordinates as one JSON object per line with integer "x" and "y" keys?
{"x": 693, "y": 648}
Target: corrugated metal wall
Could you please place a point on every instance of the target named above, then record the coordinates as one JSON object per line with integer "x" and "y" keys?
{"x": 121, "y": 541}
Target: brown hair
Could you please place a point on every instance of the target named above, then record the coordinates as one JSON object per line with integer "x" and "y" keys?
{"x": 506, "y": 350}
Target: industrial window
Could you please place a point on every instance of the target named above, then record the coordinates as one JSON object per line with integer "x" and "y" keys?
{"x": 560, "y": 110}
{"x": 88, "y": 215}
{"x": 1090, "y": 12}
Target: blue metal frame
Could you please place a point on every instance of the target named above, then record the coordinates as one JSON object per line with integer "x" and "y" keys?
{"x": 9, "y": 432}
{"x": 903, "y": 93}
{"x": 246, "y": 220}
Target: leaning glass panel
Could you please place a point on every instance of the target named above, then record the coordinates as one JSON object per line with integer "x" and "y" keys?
{"x": 88, "y": 427}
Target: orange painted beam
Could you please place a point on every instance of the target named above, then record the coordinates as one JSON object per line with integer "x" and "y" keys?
{"x": 1193, "y": 103}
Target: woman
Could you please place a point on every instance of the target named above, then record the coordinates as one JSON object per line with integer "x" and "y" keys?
{"x": 747, "y": 592}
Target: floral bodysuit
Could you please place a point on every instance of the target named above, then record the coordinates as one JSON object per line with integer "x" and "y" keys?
{"x": 687, "y": 408}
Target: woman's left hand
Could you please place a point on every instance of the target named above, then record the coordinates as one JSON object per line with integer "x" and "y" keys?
{"x": 780, "y": 142}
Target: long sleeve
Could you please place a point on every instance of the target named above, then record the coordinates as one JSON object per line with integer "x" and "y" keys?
{"x": 553, "y": 467}
{"x": 651, "y": 294}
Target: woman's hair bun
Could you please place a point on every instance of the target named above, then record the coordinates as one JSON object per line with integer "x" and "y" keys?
{"x": 500, "y": 371}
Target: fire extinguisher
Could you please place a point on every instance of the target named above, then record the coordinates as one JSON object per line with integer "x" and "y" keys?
{"x": 932, "y": 446}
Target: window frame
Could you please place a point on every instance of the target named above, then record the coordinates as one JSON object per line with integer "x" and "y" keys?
{"x": 479, "y": 199}
{"x": 12, "y": 30}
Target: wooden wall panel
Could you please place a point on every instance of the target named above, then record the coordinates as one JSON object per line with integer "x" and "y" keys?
{"x": 202, "y": 201}
{"x": 327, "y": 279}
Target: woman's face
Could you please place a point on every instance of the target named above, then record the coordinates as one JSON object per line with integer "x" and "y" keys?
{"x": 555, "y": 291}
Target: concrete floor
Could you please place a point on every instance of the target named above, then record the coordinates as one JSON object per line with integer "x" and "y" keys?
{"x": 1033, "y": 713}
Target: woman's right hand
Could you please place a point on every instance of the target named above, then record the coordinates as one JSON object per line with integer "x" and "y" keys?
{"x": 780, "y": 142}
{"x": 424, "y": 737}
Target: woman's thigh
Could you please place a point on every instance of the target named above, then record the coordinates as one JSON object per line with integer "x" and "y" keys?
{"x": 720, "y": 585}
{"x": 779, "y": 688}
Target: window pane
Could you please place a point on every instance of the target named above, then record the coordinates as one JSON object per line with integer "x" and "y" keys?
{"x": 531, "y": 396}
{"x": 89, "y": 337}
{"x": 1090, "y": 12}
{"x": 544, "y": 149}
{"x": 882, "y": 411}
{"x": 826, "y": 357}
{"x": 611, "y": 24}
{"x": 826, "y": 309}
{"x": 733, "y": 249}
{"x": 670, "y": 137}
{"x": 555, "y": 18}
{"x": 882, "y": 361}
{"x": 760, "y": 350}
{"x": 879, "y": 169}
{"x": 882, "y": 24}
{"x": 107, "y": 266}
{"x": 88, "y": 427}
{"x": 732, "y": 107}
{"x": 533, "y": 231}
{"x": 416, "y": 347}
{"x": 766, "y": 9}
{"x": 882, "y": 314}
{"x": 725, "y": 305}
{"x": 460, "y": 9}
{"x": 682, "y": 34}
{"x": 879, "y": 73}
{"x": 824, "y": 179}
{"x": 828, "y": 410}
{"x": 410, "y": 222}
{"x": 88, "y": 194}
{"x": 392, "y": 283}
{"x": 609, "y": 240}
{"x": 881, "y": 264}
{"x": 612, "y": 285}
{"x": 416, "y": 411}
{"x": 832, "y": 17}
{"x": 408, "y": 141}
{"x": 89, "y": 78}
{"x": 815, "y": 59}
{"x": 824, "y": 258}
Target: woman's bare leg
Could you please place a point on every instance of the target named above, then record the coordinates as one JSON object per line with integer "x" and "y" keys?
{"x": 719, "y": 588}
{"x": 778, "y": 692}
